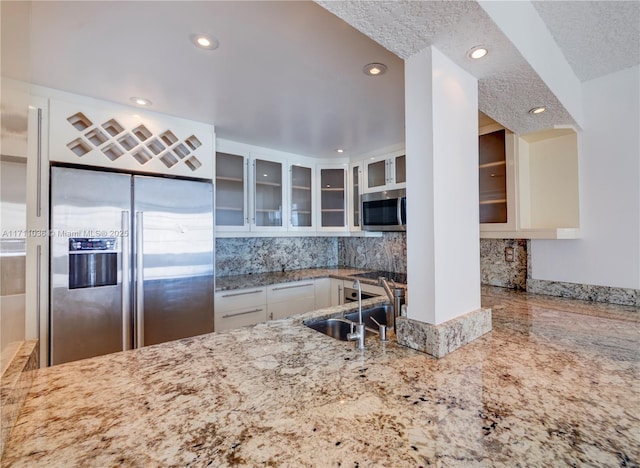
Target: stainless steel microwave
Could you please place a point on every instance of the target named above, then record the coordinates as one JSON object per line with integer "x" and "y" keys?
{"x": 384, "y": 211}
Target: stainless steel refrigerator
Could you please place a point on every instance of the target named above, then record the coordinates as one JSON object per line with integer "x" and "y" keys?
{"x": 132, "y": 261}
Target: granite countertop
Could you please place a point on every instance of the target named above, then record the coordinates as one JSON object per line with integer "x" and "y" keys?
{"x": 224, "y": 283}
{"x": 554, "y": 383}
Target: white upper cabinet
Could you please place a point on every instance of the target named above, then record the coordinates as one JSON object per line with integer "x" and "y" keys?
{"x": 301, "y": 209}
{"x": 529, "y": 184}
{"x": 333, "y": 197}
{"x": 262, "y": 191}
{"x": 269, "y": 191}
{"x": 385, "y": 172}
{"x": 231, "y": 189}
{"x": 355, "y": 184}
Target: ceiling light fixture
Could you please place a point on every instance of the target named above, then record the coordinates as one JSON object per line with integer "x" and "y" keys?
{"x": 537, "y": 110}
{"x": 374, "y": 69}
{"x": 205, "y": 41}
{"x": 339, "y": 150}
{"x": 141, "y": 101}
{"x": 477, "y": 52}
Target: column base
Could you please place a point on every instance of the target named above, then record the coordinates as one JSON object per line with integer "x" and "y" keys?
{"x": 440, "y": 340}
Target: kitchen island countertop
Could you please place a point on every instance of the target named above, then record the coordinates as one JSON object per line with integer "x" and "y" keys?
{"x": 253, "y": 280}
{"x": 554, "y": 383}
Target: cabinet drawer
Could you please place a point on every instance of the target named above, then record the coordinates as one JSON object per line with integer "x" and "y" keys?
{"x": 279, "y": 310}
{"x": 290, "y": 291}
{"x": 239, "y": 318}
{"x": 226, "y": 301}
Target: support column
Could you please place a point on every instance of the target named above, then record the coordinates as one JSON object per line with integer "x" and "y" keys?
{"x": 443, "y": 241}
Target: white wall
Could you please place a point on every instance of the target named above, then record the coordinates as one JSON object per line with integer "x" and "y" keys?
{"x": 608, "y": 254}
{"x": 443, "y": 250}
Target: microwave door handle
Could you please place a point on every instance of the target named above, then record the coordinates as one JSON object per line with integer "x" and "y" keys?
{"x": 399, "y": 211}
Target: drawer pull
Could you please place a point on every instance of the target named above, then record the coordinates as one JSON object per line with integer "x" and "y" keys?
{"x": 291, "y": 287}
{"x": 243, "y": 293}
{"x": 242, "y": 313}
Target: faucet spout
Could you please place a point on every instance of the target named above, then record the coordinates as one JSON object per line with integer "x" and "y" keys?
{"x": 356, "y": 284}
{"x": 382, "y": 281}
{"x": 360, "y": 329}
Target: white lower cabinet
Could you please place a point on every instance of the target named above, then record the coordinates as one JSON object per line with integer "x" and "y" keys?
{"x": 323, "y": 293}
{"x": 337, "y": 293}
{"x": 239, "y": 308}
{"x": 242, "y": 307}
{"x": 287, "y": 299}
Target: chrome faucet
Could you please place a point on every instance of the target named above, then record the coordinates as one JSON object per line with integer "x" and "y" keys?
{"x": 360, "y": 330}
{"x": 396, "y": 298}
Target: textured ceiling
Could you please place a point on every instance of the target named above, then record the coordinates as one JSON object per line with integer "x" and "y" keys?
{"x": 597, "y": 38}
{"x": 508, "y": 86}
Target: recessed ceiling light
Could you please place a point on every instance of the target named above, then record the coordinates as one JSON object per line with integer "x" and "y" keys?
{"x": 339, "y": 150}
{"x": 374, "y": 69}
{"x": 141, "y": 101}
{"x": 477, "y": 52}
{"x": 537, "y": 110}
{"x": 205, "y": 41}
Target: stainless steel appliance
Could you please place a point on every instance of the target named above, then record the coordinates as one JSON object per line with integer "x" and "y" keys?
{"x": 132, "y": 261}
{"x": 384, "y": 211}
{"x": 351, "y": 295}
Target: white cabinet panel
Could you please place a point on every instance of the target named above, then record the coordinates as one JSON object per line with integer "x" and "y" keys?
{"x": 280, "y": 310}
{"x": 323, "y": 293}
{"x": 239, "y": 318}
{"x": 107, "y": 135}
{"x": 337, "y": 291}
{"x": 240, "y": 298}
{"x": 290, "y": 291}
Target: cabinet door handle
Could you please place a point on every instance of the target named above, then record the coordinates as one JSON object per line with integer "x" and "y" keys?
{"x": 243, "y": 293}
{"x": 237, "y": 314}
{"x": 340, "y": 295}
{"x": 292, "y": 287}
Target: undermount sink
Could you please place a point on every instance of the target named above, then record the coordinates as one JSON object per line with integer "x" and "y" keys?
{"x": 379, "y": 313}
{"x": 339, "y": 328}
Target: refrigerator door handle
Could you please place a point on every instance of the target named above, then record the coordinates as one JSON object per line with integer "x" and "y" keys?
{"x": 139, "y": 281}
{"x": 126, "y": 282}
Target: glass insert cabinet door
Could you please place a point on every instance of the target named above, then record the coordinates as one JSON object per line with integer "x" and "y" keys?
{"x": 377, "y": 173}
{"x": 401, "y": 169}
{"x": 493, "y": 182}
{"x": 268, "y": 193}
{"x": 301, "y": 212}
{"x": 356, "y": 195}
{"x": 332, "y": 198}
{"x": 230, "y": 190}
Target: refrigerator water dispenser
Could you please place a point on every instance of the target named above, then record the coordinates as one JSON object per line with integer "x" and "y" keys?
{"x": 93, "y": 262}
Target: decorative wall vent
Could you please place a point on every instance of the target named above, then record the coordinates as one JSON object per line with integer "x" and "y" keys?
{"x": 116, "y": 137}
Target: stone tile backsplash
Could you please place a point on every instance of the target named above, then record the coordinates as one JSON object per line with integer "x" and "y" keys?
{"x": 496, "y": 271}
{"x": 247, "y": 255}
{"x": 387, "y": 253}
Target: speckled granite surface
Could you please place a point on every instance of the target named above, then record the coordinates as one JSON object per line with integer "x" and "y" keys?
{"x": 244, "y": 255}
{"x": 14, "y": 387}
{"x": 386, "y": 253}
{"x": 554, "y": 384}
{"x": 224, "y": 283}
{"x": 586, "y": 292}
{"x": 440, "y": 340}
{"x": 496, "y": 271}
